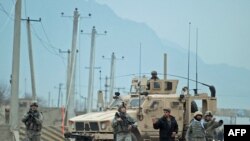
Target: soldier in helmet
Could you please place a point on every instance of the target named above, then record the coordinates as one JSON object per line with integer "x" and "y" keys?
{"x": 33, "y": 120}
{"x": 210, "y": 125}
{"x": 153, "y": 77}
{"x": 196, "y": 130}
{"x": 123, "y": 124}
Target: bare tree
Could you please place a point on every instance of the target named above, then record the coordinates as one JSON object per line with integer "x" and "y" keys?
{"x": 4, "y": 94}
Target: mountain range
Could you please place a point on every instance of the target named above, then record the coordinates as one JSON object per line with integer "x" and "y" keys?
{"x": 143, "y": 52}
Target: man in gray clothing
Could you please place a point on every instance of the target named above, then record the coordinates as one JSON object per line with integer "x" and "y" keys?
{"x": 123, "y": 124}
{"x": 210, "y": 124}
{"x": 33, "y": 120}
{"x": 196, "y": 130}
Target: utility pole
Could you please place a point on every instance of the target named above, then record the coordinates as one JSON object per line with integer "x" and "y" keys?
{"x": 71, "y": 69}
{"x": 68, "y": 73}
{"x": 14, "y": 102}
{"x": 91, "y": 68}
{"x": 33, "y": 84}
{"x": 49, "y": 100}
{"x": 71, "y": 94}
{"x": 106, "y": 92}
{"x": 85, "y": 103}
{"x": 100, "y": 78}
{"x": 189, "y": 28}
{"x": 59, "y": 95}
{"x": 112, "y": 74}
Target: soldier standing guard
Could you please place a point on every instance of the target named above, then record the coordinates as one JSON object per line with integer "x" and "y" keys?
{"x": 122, "y": 125}
{"x": 210, "y": 125}
{"x": 196, "y": 130}
{"x": 33, "y": 120}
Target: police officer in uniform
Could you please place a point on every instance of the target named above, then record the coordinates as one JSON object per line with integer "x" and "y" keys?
{"x": 33, "y": 120}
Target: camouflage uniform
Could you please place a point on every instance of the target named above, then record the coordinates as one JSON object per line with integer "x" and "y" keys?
{"x": 210, "y": 126}
{"x": 121, "y": 128}
{"x": 33, "y": 120}
{"x": 196, "y": 130}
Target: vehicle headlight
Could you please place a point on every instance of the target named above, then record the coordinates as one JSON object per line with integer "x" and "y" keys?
{"x": 104, "y": 124}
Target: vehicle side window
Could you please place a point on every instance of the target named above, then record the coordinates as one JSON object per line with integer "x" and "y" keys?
{"x": 157, "y": 85}
{"x": 168, "y": 86}
{"x": 154, "y": 105}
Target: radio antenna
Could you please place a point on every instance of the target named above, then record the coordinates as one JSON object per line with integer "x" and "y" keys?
{"x": 140, "y": 63}
{"x": 140, "y": 115}
{"x": 196, "y": 89}
{"x": 188, "y": 55}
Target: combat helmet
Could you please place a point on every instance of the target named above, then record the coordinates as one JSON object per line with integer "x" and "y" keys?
{"x": 121, "y": 106}
{"x": 33, "y": 103}
{"x": 197, "y": 113}
{"x": 154, "y": 73}
{"x": 208, "y": 113}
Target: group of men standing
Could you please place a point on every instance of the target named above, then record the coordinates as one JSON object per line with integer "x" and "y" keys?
{"x": 200, "y": 128}
{"x": 203, "y": 129}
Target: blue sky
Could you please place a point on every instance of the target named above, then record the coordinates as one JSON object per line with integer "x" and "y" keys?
{"x": 223, "y": 26}
{"x": 224, "y": 32}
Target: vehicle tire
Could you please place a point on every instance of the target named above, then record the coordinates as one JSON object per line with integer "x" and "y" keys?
{"x": 84, "y": 139}
{"x": 194, "y": 107}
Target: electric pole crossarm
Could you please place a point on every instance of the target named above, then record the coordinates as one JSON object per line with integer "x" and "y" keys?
{"x": 32, "y": 20}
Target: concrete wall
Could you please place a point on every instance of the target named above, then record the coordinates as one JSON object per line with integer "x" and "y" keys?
{"x": 51, "y": 125}
{"x": 5, "y": 133}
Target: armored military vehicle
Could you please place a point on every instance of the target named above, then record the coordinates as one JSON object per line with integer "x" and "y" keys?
{"x": 143, "y": 103}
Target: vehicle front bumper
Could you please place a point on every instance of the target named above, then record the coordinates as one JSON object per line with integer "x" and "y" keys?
{"x": 89, "y": 136}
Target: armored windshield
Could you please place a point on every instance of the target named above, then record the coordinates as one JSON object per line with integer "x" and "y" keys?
{"x": 115, "y": 103}
{"x": 133, "y": 102}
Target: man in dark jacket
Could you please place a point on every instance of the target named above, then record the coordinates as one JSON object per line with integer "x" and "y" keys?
{"x": 167, "y": 125}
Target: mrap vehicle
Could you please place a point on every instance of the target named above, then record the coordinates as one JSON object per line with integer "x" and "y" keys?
{"x": 143, "y": 103}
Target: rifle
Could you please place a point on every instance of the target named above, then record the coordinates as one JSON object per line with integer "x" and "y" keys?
{"x": 124, "y": 118}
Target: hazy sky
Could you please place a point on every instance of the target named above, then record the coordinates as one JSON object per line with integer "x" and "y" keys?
{"x": 223, "y": 25}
